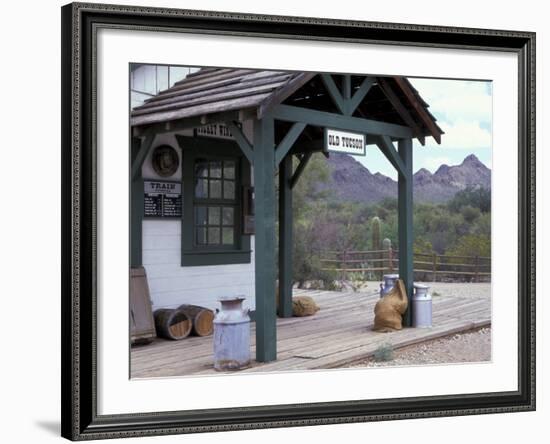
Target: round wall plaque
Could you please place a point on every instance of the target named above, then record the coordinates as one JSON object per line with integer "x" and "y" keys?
{"x": 165, "y": 160}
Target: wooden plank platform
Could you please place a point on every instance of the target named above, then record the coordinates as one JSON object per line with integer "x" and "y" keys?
{"x": 339, "y": 334}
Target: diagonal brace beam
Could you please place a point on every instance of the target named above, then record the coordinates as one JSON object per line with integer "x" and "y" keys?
{"x": 288, "y": 141}
{"x": 242, "y": 141}
{"x": 360, "y": 95}
{"x": 386, "y": 146}
{"x": 300, "y": 169}
{"x": 137, "y": 162}
{"x": 334, "y": 92}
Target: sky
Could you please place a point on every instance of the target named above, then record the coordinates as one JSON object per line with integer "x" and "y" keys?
{"x": 463, "y": 110}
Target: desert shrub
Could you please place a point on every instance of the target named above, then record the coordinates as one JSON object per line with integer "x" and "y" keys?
{"x": 469, "y": 213}
{"x": 472, "y": 245}
{"x": 384, "y": 353}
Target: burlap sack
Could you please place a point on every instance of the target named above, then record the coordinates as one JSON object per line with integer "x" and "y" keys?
{"x": 388, "y": 311}
{"x": 304, "y": 306}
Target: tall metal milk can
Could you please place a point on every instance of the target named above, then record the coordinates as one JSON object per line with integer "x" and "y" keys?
{"x": 422, "y": 306}
{"x": 231, "y": 335}
{"x": 389, "y": 283}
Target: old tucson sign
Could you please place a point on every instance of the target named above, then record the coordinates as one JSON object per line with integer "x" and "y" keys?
{"x": 345, "y": 142}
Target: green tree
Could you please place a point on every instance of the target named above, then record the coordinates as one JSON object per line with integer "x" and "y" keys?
{"x": 476, "y": 197}
{"x": 312, "y": 185}
{"x": 422, "y": 245}
{"x": 310, "y": 197}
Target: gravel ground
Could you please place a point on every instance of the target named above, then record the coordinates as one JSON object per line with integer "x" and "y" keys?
{"x": 471, "y": 346}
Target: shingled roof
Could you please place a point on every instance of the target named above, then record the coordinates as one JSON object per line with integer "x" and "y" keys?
{"x": 214, "y": 90}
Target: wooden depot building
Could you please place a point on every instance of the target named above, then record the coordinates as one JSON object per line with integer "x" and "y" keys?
{"x": 204, "y": 159}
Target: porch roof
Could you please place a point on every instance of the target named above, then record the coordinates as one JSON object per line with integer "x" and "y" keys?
{"x": 217, "y": 90}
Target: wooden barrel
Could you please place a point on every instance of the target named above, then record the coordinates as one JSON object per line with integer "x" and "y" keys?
{"x": 172, "y": 323}
{"x": 201, "y": 317}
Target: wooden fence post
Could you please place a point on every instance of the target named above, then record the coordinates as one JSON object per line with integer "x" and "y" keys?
{"x": 345, "y": 265}
{"x": 476, "y": 268}
{"x": 434, "y": 266}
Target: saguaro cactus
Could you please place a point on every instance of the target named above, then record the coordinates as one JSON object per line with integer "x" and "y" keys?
{"x": 386, "y": 246}
{"x": 375, "y": 226}
{"x": 376, "y": 229}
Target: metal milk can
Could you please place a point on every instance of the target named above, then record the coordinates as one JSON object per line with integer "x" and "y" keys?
{"x": 231, "y": 335}
{"x": 389, "y": 283}
{"x": 422, "y": 306}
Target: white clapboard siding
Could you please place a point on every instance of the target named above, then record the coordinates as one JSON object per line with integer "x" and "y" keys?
{"x": 171, "y": 285}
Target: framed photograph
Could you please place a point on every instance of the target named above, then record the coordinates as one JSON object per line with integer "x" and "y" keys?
{"x": 281, "y": 221}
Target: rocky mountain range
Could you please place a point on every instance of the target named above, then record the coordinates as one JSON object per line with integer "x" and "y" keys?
{"x": 354, "y": 182}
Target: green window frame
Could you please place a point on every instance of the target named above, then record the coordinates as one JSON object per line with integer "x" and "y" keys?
{"x": 213, "y": 176}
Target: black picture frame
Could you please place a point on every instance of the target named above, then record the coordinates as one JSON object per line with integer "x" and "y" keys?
{"x": 79, "y": 385}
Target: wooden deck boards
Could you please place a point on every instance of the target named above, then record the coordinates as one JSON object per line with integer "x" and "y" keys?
{"x": 340, "y": 333}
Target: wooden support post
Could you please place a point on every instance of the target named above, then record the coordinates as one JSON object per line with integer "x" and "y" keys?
{"x": 264, "y": 198}
{"x": 476, "y": 268}
{"x": 405, "y": 223}
{"x": 434, "y": 267}
{"x": 285, "y": 238}
{"x": 136, "y": 205}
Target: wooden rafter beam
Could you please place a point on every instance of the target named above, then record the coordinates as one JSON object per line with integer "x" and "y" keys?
{"x": 242, "y": 141}
{"x": 284, "y": 92}
{"x": 288, "y": 141}
{"x": 388, "y": 91}
{"x": 428, "y": 121}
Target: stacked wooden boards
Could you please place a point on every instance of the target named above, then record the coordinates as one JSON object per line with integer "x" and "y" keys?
{"x": 340, "y": 333}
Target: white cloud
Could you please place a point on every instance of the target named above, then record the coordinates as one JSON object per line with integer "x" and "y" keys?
{"x": 463, "y": 134}
{"x": 463, "y": 109}
{"x": 452, "y": 100}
